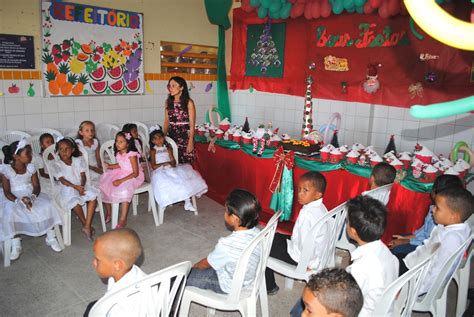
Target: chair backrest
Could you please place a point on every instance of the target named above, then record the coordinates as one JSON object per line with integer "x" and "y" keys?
{"x": 107, "y": 153}
{"x": 50, "y": 150}
{"x": 106, "y": 131}
{"x": 2, "y": 156}
{"x": 55, "y": 133}
{"x": 154, "y": 295}
{"x": 263, "y": 241}
{"x": 143, "y": 130}
{"x": 381, "y": 193}
{"x": 85, "y": 157}
{"x": 12, "y": 136}
{"x": 400, "y": 296}
{"x": 332, "y": 223}
{"x": 173, "y": 145}
{"x": 35, "y": 144}
{"x": 447, "y": 271}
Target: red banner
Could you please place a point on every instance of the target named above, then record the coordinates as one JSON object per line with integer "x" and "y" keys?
{"x": 351, "y": 42}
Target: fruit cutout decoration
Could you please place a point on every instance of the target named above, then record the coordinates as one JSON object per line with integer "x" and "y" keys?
{"x": 208, "y": 87}
{"x": 148, "y": 87}
{"x": 31, "y": 92}
{"x": 13, "y": 89}
{"x": 308, "y": 109}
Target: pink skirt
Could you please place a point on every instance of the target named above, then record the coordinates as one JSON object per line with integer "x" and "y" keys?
{"x": 117, "y": 194}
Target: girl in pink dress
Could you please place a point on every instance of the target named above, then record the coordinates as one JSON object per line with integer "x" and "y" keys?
{"x": 121, "y": 179}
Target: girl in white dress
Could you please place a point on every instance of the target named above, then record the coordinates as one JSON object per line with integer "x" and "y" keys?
{"x": 74, "y": 192}
{"x": 26, "y": 209}
{"x": 46, "y": 139}
{"x": 172, "y": 183}
{"x": 86, "y": 138}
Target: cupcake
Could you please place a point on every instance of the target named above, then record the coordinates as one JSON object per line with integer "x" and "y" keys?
{"x": 405, "y": 158}
{"x": 358, "y": 147}
{"x": 247, "y": 138}
{"x": 429, "y": 173}
{"x": 220, "y": 134}
{"x": 274, "y": 140}
{"x": 224, "y": 125}
{"x": 344, "y": 150}
{"x": 352, "y": 157}
{"x": 375, "y": 159}
{"x": 397, "y": 164}
{"x": 285, "y": 137}
{"x": 335, "y": 156}
{"x": 237, "y": 136}
{"x": 451, "y": 171}
{"x": 465, "y": 165}
{"x": 458, "y": 168}
{"x": 424, "y": 154}
{"x": 324, "y": 152}
{"x": 202, "y": 131}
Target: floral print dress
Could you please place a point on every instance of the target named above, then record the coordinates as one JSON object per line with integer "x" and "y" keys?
{"x": 179, "y": 131}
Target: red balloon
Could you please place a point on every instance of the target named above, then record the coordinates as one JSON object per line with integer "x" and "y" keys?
{"x": 292, "y": 1}
{"x": 375, "y": 3}
{"x": 383, "y": 10}
{"x": 308, "y": 13}
{"x": 246, "y": 6}
{"x": 393, "y": 7}
{"x": 316, "y": 10}
{"x": 325, "y": 8}
{"x": 368, "y": 9}
{"x": 297, "y": 10}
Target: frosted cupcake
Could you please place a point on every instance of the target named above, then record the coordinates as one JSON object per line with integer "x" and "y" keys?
{"x": 220, "y": 134}
{"x": 224, "y": 125}
{"x": 285, "y": 137}
{"x": 237, "y": 136}
{"x": 324, "y": 152}
{"x": 202, "y": 131}
{"x": 424, "y": 154}
{"x": 344, "y": 150}
{"x": 451, "y": 171}
{"x": 335, "y": 156}
{"x": 274, "y": 140}
{"x": 397, "y": 164}
{"x": 358, "y": 147}
{"x": 352, "y": 157}
{"x": 247, "y": 138}
{"x": 405, "y": 158}
{"x": 375, "y": 159}
{"x": 429, "y": 173}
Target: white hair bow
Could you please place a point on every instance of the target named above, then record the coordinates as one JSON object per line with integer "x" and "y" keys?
{"x": 156, "y": 127}
{"x": 21, "y": 145}
{"x": 59, "y": 138}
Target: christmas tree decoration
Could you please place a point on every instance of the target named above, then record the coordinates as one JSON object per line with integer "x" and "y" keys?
{"x": 335, "y": 140}
{"x": 246, "y": 127}
{"x": 265, "y": 53}
{"x": 391, "y": 145}
{"x": 308, "y": 109}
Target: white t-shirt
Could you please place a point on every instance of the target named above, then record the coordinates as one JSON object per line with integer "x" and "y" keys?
{"x": 374, "y": 267}
{"x": 226, "y": 254}
{"x": 450, "y": 238}
{"x": 309, "y": 215}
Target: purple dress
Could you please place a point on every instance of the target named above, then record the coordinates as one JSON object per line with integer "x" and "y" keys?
{"x": 124, "y": 192}
{"x": 179, "y": 131}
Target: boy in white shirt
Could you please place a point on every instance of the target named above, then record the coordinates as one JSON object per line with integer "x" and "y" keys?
{"x": 382, "y": 174}
{"x": 452, "y": 208}
{"x": 115, "y": 253}
{"x": 373, "y": 266}
{"x": 311, "y": 188}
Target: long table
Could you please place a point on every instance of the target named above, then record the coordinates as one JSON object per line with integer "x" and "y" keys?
{"x": 233, "y": 166}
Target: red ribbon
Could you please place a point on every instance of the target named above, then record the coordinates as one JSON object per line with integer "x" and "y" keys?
{"x": 281, "y": 160}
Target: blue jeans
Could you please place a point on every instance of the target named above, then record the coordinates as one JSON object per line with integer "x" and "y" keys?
{"x": 298, "y": 309}
{"x": 204, "y": 279}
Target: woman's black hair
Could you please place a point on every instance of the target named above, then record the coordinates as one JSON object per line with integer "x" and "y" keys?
{"x": 244, "y": 205}
{"x": 184, "y": 94}
{"x": 155, "y": 133}
{"x": 131, "y": 142}
{"x": 75, "y": 149}
{"x": 9, "y": 151}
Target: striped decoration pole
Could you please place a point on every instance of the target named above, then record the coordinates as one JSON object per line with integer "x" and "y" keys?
{"x": 308, "y": 110}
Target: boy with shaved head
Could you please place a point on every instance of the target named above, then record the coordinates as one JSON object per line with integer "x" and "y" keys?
{"x": 115, "y": 254}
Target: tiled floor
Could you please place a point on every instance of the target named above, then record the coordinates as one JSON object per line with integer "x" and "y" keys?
{"x": 44, "y": 283}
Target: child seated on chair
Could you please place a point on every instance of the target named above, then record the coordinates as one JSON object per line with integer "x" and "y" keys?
{"x": 45, "y": 139}
{"x": 216, "y": 272}
{"x": 453, "y": 207}
{"x": 115, "y": 254}
{"x": 404, "y": 244}
{"x": 373, "y": 266}
{"x": 382, "y": 174}
{"x": 311, "y": 187}
{"x": 332, "y": 293}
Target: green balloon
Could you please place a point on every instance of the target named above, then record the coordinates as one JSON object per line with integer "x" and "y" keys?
{"x": 351, "y": 9}
{"x": 348, "y": 4}
{"x": 274, "y": 15}
{"x": 266, "y": 3}
{"x": 285, "y": 11}
{"x": 443, "y": 109}
{"x": 262, "y": 12}
{"x": 255, "y": 3}
{"x": 360, "y": 3}
{"x": 360, "y": 9}
{"x": 337, "y": 6}
{"x": 275, "y": 7}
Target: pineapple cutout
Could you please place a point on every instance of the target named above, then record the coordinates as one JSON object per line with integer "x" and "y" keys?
{"x": 308, "y": 109}
{"x": 265, "y": 53}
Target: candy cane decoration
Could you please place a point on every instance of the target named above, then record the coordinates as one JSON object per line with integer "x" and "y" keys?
{"x": 308, "y": 109}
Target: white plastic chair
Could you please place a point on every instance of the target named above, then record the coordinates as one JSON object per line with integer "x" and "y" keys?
{"x": 35, "y": 144}
{"x": 107, "y": 154}
{"x": 154, "y": 295}
{"x": 399, "y": 297}
{"x": 66, "y": 214}
{"x": 333, "y": 221}
{"x": 106, "y": 132}
{"x": 461, "y": 277}
{"x": 245, "y": 301}
{"x": 143, "y": 131}
{"x": 12, "y": 136}
{"x": 53, "y": 132}
{"x": 435, "y": 299}
{"x": 381, "y": 193}
{"x": 161, "y": 209}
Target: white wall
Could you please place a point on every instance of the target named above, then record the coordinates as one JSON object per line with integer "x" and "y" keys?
{"x": 363, "y": 123}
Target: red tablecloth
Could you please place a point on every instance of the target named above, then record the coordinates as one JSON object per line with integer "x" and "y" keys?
{"x": 227, "y": 169}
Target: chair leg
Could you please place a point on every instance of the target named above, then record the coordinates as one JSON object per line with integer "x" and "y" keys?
{"x": 211, "y": 312}
{"x": 185, "y": 305}
{"x": 115, "y": 214}
{"x": 195, "y": 205}
{"x": 7, "y": 247}
{"x": 102, "y": 215}
{"x": 135, "y": 204}
{"x": 151, "y": 201}
{"x": 161, "y": 214}
{"x": 59, "y": 237}
{"x": 463, "y": 287}
{"x": 263, "y": 298}
{"x": 440, "y": 304}
{"x": 67, "y": 228}
{"x": 249, "y": 307}
{"x": 289, "y": 283}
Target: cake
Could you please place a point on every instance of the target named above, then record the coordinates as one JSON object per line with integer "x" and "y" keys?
{"x": 300, "y": 147}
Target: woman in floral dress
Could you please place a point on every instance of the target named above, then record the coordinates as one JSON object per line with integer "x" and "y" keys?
{"x": 180, "y": 118}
